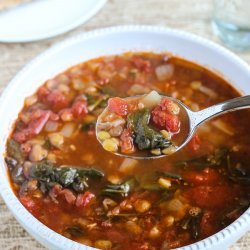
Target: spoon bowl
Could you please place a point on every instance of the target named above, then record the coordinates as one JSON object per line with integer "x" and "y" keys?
{"x": 190, "y": 121}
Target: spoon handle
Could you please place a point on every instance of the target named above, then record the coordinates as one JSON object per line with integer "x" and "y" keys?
{"x": 196, "y": 118}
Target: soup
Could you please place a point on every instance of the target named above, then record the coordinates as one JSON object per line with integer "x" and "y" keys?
{"x": 64, "y": 177}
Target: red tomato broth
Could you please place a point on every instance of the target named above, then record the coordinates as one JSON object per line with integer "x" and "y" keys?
{"x": 155, "y": 214}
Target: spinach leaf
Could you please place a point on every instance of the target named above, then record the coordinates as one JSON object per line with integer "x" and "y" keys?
{"x": 14, "y": 150}
{"x": 87, "y": 126}
{"x": 119, "y": 189}
{"x": 146, "y": 137}
{"x": 204, "y": 161}
{"x": 170, "y": 175}
{"x": 72, "y": 177}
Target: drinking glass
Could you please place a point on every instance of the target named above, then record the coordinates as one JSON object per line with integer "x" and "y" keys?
{"x": 231, "y": 22}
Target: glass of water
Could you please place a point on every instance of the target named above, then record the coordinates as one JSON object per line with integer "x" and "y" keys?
{"x": 231, "y": 22}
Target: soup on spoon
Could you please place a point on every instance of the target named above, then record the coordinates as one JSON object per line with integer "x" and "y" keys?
{"x": 142, "y": 126}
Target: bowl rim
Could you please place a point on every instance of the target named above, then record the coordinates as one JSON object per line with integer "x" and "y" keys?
{"x": 44, "y": 233}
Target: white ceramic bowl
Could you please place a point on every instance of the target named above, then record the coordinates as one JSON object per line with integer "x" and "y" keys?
{"x": 104, "y": 42}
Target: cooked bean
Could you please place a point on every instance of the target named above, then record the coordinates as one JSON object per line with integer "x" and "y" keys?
{"x": 142, "y": 206}
{"x": 103, "y": 244}
{"x": 110, "y": 145}
{"x": 37, "y": 153}
{"x": 56, "y": 139}
{"x": 103, "y": 135}
{"x": 166, "y": 134}
{"x": 168, "y": 220}
{"x": 154, "y": 233}
{"x": 168, "y": 151}
{"x": 133, "y": 228}
{"x": 156, "y": 151}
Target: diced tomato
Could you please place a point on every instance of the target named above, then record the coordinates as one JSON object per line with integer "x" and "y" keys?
{"x": 194, "y": 143}
{"x": 42, "y": 93}
{"x": 164, "y": 120}
{"x": 208, "y": 225}
{"x": 68, "y": 195}
{"x": 118, "y": 106}
{"x": 127, "y": 144}
{"x": 84, "y": 200}
{"x": 79, "y": 108}
{"x": 55, "y": 191}
{"x": 57, "y": 100}
{"x": 37, "y": 121}
{"x": 33, "y": 205}
{"x": 167, "y": 105}
{"x": 208, "y": 176}
{"x": 23, "y": 135}
{"x": 142, "y": 64}
{"x": 210, "y": 196}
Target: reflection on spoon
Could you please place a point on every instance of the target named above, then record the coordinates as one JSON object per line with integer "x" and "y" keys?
{"x": 152, "y": 126}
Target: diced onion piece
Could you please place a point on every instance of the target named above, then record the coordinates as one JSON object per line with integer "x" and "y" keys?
{"x": 51, "y": 126}
{"x": 226, "y": 128}
{"x": 150, "y": 100}
{"x": 68, "y": 129}
{"x": 128, "y": 165}
{"x": 164, "y": 72}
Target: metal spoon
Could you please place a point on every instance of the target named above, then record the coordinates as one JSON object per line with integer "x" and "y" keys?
{"x": 194, "y": 119}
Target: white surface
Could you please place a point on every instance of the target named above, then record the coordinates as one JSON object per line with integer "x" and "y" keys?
{"x": 103, "y": 42}
{"x": 45, "y": 18}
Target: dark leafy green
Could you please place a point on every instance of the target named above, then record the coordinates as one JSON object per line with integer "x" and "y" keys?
{"x": 146, "y": 137}
{"x": 121, "y": 190}
{"x": 74, "y": 231}
{"x": 16, "y": 170}
{"x": 14, "y": 150}
{"x": 206, "y": 160}
{"x": 87, "y": 126}
{"x": 96, "y": 101}
{"x": 192, "y": 223}
{"x": 67, "y": 176}
{"x": 237, "y": 173}
{"x": 170, "y": 175}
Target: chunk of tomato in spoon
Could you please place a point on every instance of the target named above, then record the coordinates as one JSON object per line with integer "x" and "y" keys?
{"x": 118, "y": 106}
